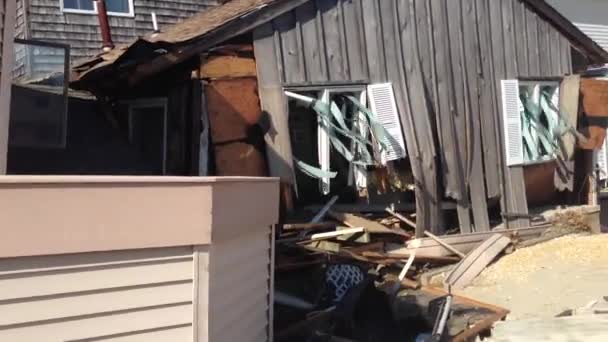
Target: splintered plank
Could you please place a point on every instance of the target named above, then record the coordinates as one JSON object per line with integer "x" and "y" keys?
{"x": 371, "y": 227}
{"x": 454, "y": 180}
{"x": 481, "y": 221}
{"x": 428, "y": 194}
{"x": 471, "y": 266}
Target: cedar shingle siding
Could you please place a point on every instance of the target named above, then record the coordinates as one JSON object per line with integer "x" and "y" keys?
{"x": 45, "y": 21}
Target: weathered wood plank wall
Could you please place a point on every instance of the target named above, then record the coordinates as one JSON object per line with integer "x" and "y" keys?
{"x": 446, "y": 60}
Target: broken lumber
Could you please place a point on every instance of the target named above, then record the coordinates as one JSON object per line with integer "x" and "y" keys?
{"x": 445, "y": 245}
{"x": 436, "y": 276}
{"x": 395, "y": 289}
{"x": 427, "y": 233}
{"x": 476, "y": 261}
{"x": 463, "y": 242}
{"x": 410, "y": 284}
{"x": 321, "y": 214}
{"x": 402, "y": 218}
{"x": 309, "y": 226}
{"x": 407, "y": 266}
{"x": 394, "y": 258}
{"x": 474, "y": 328}
{"x": 371, "y": 227}
{"x": 331, "y": 235}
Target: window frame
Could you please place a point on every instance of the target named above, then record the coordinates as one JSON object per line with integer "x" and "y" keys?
{"x": 528, "y": 81}
{"x": 130, "y": 14}
{"x": 324, "y": 93}
{"x": 154, "y": 102}
{"x": 65, "y": 91}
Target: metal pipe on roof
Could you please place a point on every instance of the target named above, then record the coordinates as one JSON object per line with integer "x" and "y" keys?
{"x": 104, "y": 25}
{"x": 155, "y": 23}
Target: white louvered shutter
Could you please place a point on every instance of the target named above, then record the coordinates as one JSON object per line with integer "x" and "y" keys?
{"x": 323, "y": 148}
{"x": 602, "y": 161}
{"x": 513, "y": 139}
{"x": 382, "y": 103}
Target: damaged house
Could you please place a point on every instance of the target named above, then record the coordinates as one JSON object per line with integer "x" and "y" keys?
{"x": 458, "y": 110}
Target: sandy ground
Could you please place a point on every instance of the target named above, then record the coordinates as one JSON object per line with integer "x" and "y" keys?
{"x": 544, "y": 280}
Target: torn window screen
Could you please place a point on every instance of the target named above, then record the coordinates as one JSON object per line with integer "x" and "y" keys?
{"x": 533, "y": 126}
{"x": 328, "y": 115}
{"x": 539, "y": 103}
{"x": 342, "y": 123}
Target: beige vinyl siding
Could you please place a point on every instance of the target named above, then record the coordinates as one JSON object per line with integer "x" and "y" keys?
{"x": 178, "y": 265}
{"x": 240, "y": 270}
{"x": 111, "y": 294}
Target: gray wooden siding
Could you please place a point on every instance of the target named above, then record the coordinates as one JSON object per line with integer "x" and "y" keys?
{"x": 20, "y": 32}
{"x": 7, "y": 32}
{"x": 20, "y": 20}
{"x": 46, "y": 21}
{"x": 445, "y": 59}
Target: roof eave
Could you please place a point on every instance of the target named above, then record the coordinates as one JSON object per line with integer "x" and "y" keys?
{"x": 579, "y": 40}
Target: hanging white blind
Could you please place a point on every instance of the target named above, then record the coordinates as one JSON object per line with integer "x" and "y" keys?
{"x": 602, "y": 161}
{"x": 383, "y": 104}
{"x": 323, "y": 147}
{"x": 513, "y": 139}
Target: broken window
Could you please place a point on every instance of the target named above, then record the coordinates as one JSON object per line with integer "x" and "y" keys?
{"x": 336, "y": 135}
{"x": 533, "y": 125}
{"x": 148, "y": 133}
{"x": 39, "y": 98}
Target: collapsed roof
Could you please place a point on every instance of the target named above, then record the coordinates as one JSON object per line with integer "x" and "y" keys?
{"x": 156, "y": 52}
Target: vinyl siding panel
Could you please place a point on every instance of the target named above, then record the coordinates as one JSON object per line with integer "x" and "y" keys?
{"x": 214, "y": 293}
{"x": 213, "y": 285}
{"x": 241, "y": 273}
{"x": 56, "y": 298}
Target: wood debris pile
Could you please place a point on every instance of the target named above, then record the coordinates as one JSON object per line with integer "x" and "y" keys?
{"x": 379, "y": 257}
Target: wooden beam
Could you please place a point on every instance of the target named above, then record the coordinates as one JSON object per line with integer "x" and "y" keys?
{"x": 309, "y": 226}
{"x": 477, "y": 261}
{"x": 429, "y": 234}
{"x": 228, "y": 67}
{"x": 337, "y": 233}
{"x": 403, "y": 219}
{"x": 445, "y": 245}
{"x": 371, "y": 227}
{"x": 463, "y": 242}
{"x": 6, "y": 78}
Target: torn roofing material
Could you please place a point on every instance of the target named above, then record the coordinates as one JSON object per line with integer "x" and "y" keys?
{"x": 215, "y": 26}
{"x": 189, "y": 30}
